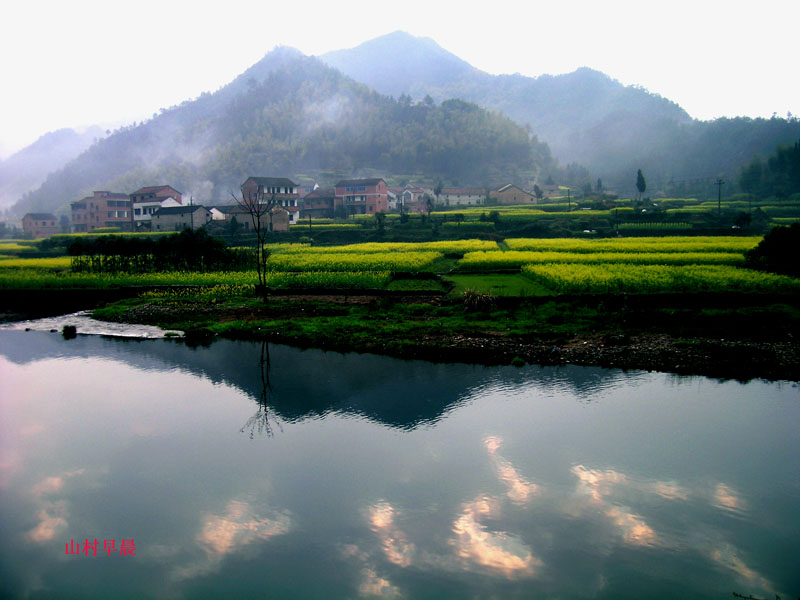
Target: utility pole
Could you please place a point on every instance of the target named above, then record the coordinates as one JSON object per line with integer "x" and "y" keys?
{"x": 569, "y": 201}
{"x": 719, "y": 183}
{"x": 191, "y": 213}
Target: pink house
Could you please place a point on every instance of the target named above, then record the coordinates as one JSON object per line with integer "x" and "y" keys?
{"x": 362, "y": 196}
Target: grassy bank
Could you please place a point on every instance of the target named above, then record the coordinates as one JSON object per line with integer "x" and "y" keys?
{"x": 739, "y": 338}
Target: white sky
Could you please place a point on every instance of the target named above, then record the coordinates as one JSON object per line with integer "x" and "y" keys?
{"x": 73, "y": 63}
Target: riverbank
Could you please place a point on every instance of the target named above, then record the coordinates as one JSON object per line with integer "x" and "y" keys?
{"x": 743, "y": 340}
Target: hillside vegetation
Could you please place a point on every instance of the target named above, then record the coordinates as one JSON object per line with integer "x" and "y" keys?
{"x": 290, "y": 114}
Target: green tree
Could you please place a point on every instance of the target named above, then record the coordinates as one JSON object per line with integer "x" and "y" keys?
{"x": 778, "y": 250}
{"x": 437, "y": 190}
{"x": 641, "y": 184}
{"x": 380, "y": 222}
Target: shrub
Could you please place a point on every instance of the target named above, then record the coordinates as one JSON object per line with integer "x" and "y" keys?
{"x": 778, "y": 251}
{"x": 475, "y": 300}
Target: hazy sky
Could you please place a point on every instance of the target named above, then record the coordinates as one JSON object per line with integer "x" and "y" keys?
{"x": 74, "y": 63}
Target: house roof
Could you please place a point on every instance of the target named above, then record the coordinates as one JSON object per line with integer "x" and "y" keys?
{"x": 40, "y": 216}
{"x": 351, "y": 182}
{"x": 99, "y": 195}
{"x": 508, "y": 186}
{"x": 321, "y": 193}
{"x": 227, "y": 208}
{"x": 178, "y": 210}
{"x": 272, "y": 181}
{"x": 154, "y": 189}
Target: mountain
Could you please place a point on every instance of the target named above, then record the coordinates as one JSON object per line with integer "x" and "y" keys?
{"x": 27, "y": 169}
{"x": 424, "y": 65}
{"x": 585, "y": 117}
{"x": 291, "y": 114}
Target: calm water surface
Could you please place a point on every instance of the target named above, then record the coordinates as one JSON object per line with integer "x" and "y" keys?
{"x": 245, "y": 471}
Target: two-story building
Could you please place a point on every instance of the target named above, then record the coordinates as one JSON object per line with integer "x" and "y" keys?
{"x": 102, "y": 209}
{"x": 318, "y": 204}
{"x": 40, "y": 225}
{"x": 280, "y": 191}
{"x": 147, "y": 200}
{"x": 361, "y": 196}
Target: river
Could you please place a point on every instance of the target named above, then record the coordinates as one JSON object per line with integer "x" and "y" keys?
{"x": 241, "y": 469}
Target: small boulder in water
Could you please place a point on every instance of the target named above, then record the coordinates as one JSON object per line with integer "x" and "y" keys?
{"x": 69, "y": 332}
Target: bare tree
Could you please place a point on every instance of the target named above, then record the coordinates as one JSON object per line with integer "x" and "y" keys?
{"x": 259, "y": 208}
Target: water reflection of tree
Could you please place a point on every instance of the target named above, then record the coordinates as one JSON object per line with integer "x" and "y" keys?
{"x": 260, "y": 421}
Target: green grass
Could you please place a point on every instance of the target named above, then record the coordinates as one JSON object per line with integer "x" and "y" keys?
{"x": 416, "y": 285}
{"x": 497, "y": 285}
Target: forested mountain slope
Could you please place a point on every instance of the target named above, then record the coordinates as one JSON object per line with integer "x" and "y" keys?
{"x": 291, "y": 115}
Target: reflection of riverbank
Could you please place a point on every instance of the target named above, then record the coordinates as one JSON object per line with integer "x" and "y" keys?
{"x": 86, "y": 325}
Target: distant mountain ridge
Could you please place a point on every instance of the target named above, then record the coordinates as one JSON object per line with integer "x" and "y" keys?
{"x": 584, "y": 116}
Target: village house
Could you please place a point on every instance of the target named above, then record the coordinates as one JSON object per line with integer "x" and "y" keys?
{"x": 102, "y": 209}
{"x": 462, "y": 197}
{"x": 318, "y": 204}
{"x": 361, "y": 196}
{"x": 39, "y": 225}
{"x": 283, "y": 191}
{"x": 147, "y": 200}
{"x": 509, "y": 194}
{"x": 178, "y": 218}
{"x": 395, "y": 198}
{"x": 415, "y": 198}
{"x": 156, "y": 192}
{"x": 392, "y": 199}
{"x": 275, "y": 220}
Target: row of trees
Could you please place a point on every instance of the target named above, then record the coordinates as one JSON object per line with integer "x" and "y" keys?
{"x": 186, "y": 251}
{"x": 778, "y": 176}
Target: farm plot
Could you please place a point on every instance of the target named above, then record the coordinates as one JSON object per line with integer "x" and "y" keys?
{"x": 625, "y": 279}
{"x": 492, "y": 261}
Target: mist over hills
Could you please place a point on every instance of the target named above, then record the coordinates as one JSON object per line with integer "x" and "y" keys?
{"x": 585, "y": 116}
{"x": 291, "y": 114}
{"x": 28, "y": 168}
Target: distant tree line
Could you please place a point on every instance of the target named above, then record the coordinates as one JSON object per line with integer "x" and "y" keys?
{"x": 186, "y": 251}
{"x": 778, "y": 176}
